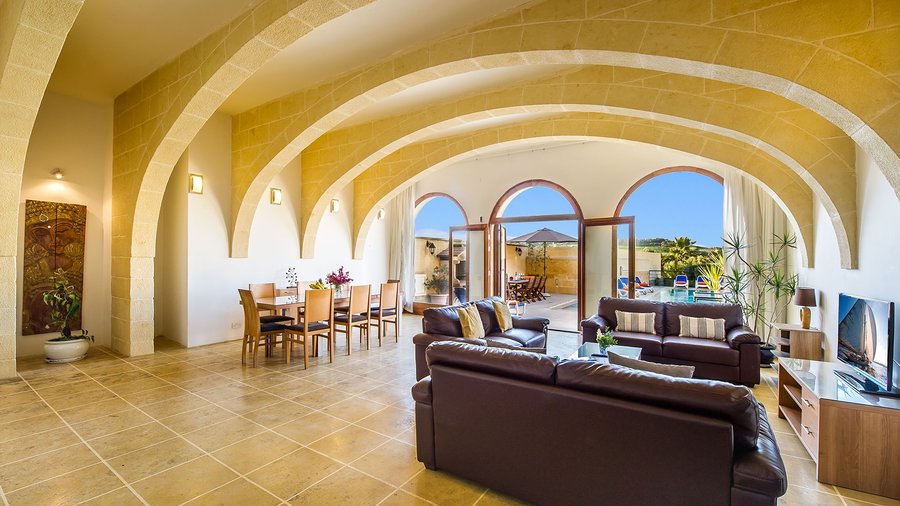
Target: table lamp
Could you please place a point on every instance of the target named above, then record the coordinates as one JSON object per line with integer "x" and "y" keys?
{"x": 805, "y": 298}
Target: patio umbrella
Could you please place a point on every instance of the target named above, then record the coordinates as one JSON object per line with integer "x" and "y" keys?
{"x": 543, "y": 235}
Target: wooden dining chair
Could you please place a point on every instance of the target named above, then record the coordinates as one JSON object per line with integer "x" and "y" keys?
{"x": 256, "y": 333}
{"x": 358, "y": 314}
{"x": 318, "y": 320}
{"x": 266, "y": 290}
{"x": 386, "y": 310}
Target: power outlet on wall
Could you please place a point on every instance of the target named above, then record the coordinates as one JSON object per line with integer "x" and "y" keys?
{"x": 236, "y": 325}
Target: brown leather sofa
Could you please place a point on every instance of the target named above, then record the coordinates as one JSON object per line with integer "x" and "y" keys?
{"x": 736, "y": 359}
{"x": 442, "y": 324}
{"x": 551, "y": 431}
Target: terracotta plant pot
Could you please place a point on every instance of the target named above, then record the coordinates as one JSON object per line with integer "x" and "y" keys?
{"x": 60, "y": 352}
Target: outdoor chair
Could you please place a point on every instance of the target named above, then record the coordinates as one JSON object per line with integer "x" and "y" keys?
{"x": 541, "y": 286}
{"x": 701, "y": 283}
{"x": 681, "y": 281}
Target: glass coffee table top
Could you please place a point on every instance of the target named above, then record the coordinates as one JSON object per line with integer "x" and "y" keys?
{"x": 588, "y": 351}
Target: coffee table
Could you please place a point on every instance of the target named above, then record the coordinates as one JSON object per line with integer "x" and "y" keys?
{"x": 586, "y": 350}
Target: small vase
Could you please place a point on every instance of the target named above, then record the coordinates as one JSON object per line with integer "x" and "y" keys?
{"x": 340, "y": 291}
{"x": 602, "y": 352}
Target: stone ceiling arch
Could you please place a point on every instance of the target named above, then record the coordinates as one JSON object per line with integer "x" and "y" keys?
{"x": 384, "y": 180}
{"x": 807, "y": 143}
{"x": 156, "y": 119}
{"x": 820, "y": 63}
{"x": 31, "y": 38}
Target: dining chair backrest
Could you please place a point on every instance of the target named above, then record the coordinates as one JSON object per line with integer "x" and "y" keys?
{"x": 260, "y": 290}
{"x": 388, "y": 296}
{"x": 251, "y": 313}
{"x": 359, "y": 299}
{"x": 319, "y": 305}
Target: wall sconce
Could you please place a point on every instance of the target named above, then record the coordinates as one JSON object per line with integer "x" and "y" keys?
{"x": 195, "y": 183}
{"x": 380, "y": 214}
{"x": 57, "y": 173}
{"x": 518, "y": 251}
{"x": 430, "y": 247}
{"x": 335, "y": 205}
{"x": 275, "y": 196}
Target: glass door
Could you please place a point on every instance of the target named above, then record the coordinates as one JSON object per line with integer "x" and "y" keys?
{"x": 608, "y": 259}
{"x": 468, "y": 259}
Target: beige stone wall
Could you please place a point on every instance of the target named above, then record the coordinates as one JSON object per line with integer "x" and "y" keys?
{"x": 562, "y": 267}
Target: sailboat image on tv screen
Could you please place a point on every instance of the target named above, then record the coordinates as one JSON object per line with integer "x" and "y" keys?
{"x": 858, "y": 339}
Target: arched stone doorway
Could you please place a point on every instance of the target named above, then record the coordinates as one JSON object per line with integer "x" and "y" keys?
{"x": 436, "y": 214}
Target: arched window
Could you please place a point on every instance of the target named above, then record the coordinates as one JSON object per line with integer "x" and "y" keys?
{"x": 435, "y": 214}
{"x": 678, "y": 224}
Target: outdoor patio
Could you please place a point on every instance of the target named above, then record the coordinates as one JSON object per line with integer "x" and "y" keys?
{"x": 560, "y": 308}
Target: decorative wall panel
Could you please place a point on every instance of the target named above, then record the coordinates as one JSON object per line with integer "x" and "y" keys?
{"x": 54, "y": 239}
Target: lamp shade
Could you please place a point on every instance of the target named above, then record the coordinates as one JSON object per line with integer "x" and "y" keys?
{"x": 805, "y": 297}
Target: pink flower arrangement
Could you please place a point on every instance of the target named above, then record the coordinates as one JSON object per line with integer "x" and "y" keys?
{"x": 339, "y": 277}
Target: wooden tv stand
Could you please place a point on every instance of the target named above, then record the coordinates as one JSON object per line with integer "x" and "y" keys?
{"x": 854, "y": 438}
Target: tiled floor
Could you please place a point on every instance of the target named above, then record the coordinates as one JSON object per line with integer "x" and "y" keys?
{"x": 192, "y": 425}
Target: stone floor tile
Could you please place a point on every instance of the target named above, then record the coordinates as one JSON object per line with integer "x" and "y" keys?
{"x": 42, "y": 467}
{"x": 311, "y": 427}
{"x": 71, "y": 488}
{"x": 346, "y": 486}
{"x": 393, "y": 462}
{"x": 349, "y": 443}
{"x": 239, "y": 491}
{"x": 184, "y": 482}
{"x": 220, "y": 435}
{"x": 354, "y": 409}
{"x": 255, "y": 452}
{"x": 148, "y": 461}
{"x": 130, "y": 440}
{"x": 293, "y": 473}
{"x": 443, "y": 488}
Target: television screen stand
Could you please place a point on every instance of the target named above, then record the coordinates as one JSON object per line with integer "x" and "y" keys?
{"x": 865, "y": 385}
{"x": 853, "y": 438}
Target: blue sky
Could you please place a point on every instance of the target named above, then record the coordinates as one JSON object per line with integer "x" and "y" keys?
{"x": 680, "y": 203}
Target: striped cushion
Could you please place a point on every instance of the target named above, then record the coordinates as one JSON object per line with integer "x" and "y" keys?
{"x": 635, "y": 322}
{"x": 470, "y": 321}
{"x": 704, "y": 328}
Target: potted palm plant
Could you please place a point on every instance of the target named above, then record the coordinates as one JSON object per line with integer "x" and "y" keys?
{"x": 65, "y": 305}
{"x": 437, "y": 285}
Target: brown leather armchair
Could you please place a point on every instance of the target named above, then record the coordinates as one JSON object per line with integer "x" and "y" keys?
{"x": 552, "y": 431}
{"x": 736, "y": 359}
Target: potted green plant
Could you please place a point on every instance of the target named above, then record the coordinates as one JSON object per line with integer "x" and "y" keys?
{"x": 65, "y": 305}
{"x": 605, "y": 339}
{"x": 749, "y": 284}
{"x": 437, "y": 285}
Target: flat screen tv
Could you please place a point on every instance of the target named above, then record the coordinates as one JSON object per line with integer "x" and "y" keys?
{"x": 866, "y": 342}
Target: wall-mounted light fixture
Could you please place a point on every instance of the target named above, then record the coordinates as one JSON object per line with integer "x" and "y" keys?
{"x": 430, "y": 247}
{"x": 195, "y": 183}
{"x": 57, "y": 173}
{"x": 518, "y": 251}
{"x": 380, "y": 214}
{"x": 335, "y": 205}
{"x": 275, "y": 196}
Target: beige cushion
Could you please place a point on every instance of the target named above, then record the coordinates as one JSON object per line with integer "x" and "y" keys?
{"x": 504, "y": 318}
{"x": 470, "y": 321}
{"x": 635, "y": 322}
{"x": 677, "y": 371}
{"x": 704, "y": 328}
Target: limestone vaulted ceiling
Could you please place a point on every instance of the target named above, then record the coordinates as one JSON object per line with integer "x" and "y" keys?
{"x": 781, "y": 89}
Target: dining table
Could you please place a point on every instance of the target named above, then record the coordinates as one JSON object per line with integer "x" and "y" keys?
{"x": 294, "y": 304}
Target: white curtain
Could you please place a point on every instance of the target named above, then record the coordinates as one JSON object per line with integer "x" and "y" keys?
{"x": 749, "y": 211}
{"x": 401, "y": 257}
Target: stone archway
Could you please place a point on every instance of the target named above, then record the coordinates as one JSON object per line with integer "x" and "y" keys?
{"x": 31, "y": 39}
{"x": 385, "y": 179}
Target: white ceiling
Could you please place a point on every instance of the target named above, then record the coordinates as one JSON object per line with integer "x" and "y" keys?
{"x": 356, "y": 40}
{"x": 116, "y": 43}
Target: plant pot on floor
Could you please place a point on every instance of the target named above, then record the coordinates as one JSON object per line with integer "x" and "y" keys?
{"x": 766, "y": 355}
{"x": 70, "y": 350}
{"x": 439, "y": 299}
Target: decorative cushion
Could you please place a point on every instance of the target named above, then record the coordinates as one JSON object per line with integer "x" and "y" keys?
{"x": 470, "y": 321}
{"x": 635, "y": 322}
{"x": 704, "y": 328}
{"x": 676, "y": 371}
{"x": 504, "y": 318}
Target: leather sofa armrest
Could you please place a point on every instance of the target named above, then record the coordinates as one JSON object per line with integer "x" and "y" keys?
{"x": 421, "y": 391}
{"x": 761, "y": 470}
{"x": 590, "y": 327}
{"x": 741, "y": 335}
{"x": 424, "y": 339}
{"x": 537, "y": 324}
